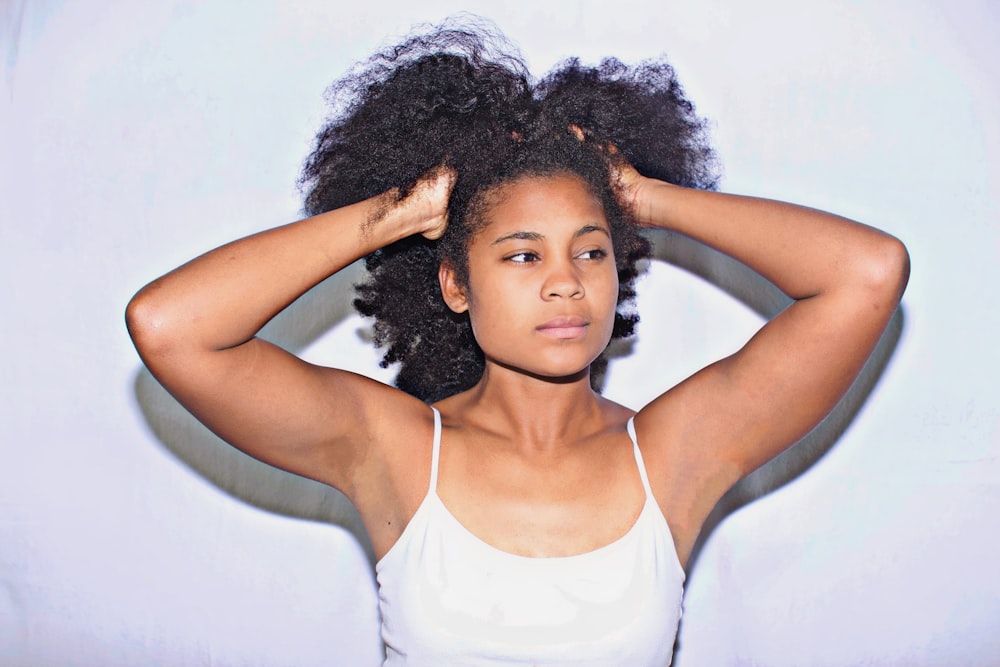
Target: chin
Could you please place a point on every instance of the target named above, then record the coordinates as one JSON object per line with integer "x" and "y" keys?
{"x": 557, "y": 373}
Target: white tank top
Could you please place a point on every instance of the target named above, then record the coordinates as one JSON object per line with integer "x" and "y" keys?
{"x": 449, "y": 599}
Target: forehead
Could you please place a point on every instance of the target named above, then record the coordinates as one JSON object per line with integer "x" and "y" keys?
{"x": 542, "y": 201}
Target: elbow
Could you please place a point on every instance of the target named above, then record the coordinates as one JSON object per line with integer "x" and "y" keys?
{"x": 893, "y": 266}
{"x": 885, "y": 269}
{"x": 145, "y": 321}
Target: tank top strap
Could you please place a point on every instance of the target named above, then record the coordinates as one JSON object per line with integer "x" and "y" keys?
{"x": 435, "y": 453}
{"x": 638, "y": 457}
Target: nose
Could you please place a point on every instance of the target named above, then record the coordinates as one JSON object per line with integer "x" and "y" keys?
{"x": 562, "y": 282}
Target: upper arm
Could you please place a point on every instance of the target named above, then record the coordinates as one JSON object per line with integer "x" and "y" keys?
{"x": 731, "y": 417}
{"x": 318, "y": 422}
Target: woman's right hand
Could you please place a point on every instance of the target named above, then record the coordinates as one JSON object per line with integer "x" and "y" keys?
{"x": 425, "y": 208}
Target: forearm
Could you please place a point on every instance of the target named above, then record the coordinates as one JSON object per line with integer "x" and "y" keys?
{"x": 803, "y": 251}
{"x": 222, "y": 298}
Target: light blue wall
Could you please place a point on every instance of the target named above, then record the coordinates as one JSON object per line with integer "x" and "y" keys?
{"x": 134, "y": 136}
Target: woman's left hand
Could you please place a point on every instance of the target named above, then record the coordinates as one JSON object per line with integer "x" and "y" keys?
{"x": 627, "y": 182}
{"x": 631, "y": 187}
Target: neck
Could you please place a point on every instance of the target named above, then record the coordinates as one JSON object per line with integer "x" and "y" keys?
{"x": 540, "y": 413}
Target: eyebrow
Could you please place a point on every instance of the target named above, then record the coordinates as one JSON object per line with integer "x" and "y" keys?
{"x": 535, "y": 236}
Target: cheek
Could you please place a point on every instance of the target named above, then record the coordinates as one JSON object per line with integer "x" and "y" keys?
{"x": 476, "y": 303}
{"x": 607, "y": 284}
{"x": 497, "y": 309}
{"x": 486, "y": 306}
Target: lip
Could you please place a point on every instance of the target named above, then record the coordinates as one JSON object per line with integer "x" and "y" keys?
{"x": 563, "y": 327}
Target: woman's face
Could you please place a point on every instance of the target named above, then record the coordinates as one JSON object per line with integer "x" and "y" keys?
{"x": 543, "y": 285}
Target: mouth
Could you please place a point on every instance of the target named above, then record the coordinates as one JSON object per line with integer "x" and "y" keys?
{"x": 563, "y": 327}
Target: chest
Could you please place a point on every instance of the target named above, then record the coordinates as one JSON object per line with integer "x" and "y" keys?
{"x": 548, "y": 508}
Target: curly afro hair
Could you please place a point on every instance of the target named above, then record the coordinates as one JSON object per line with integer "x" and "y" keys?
{"x": 459, "y": 95}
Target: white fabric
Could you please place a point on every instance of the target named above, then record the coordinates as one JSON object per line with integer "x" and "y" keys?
{"x": 448, "y": 598}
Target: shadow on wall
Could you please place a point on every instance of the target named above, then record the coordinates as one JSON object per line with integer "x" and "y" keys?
{"x": 329, "y": 303}
{"x": 242, "y": 476}
{"x": 767, "y": 300}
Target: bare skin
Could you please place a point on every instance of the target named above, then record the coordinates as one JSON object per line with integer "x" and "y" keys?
{"x": 533, "y": 462}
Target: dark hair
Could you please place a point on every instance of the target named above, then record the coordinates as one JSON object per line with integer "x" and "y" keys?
{"x": 459, "y": 95}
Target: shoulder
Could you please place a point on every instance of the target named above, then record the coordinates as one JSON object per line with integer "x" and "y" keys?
{"x": 393, "y": 467}
{"x": 382, "y": 430}
{"x": 401, "y": 428}
{"x": 687, "y": 426}
{"x": 615, "y": 413}
{"x": 687, "y": 476}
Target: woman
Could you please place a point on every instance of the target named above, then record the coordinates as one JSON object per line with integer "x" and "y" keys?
{"x": 518, "y": 517}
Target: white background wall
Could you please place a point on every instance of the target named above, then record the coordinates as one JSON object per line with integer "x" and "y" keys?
{"x": 136, "y": 135}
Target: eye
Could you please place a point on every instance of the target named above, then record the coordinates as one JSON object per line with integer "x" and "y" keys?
{"x": 522, "y": 257}
{"x": 593, "y": 254}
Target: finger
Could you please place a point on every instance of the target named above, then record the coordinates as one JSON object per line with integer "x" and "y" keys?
{"x": 435, "y": 232}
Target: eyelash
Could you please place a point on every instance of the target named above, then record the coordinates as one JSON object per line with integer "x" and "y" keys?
{"x": 513, "y": 258}
{"x": 595, "y": 254}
